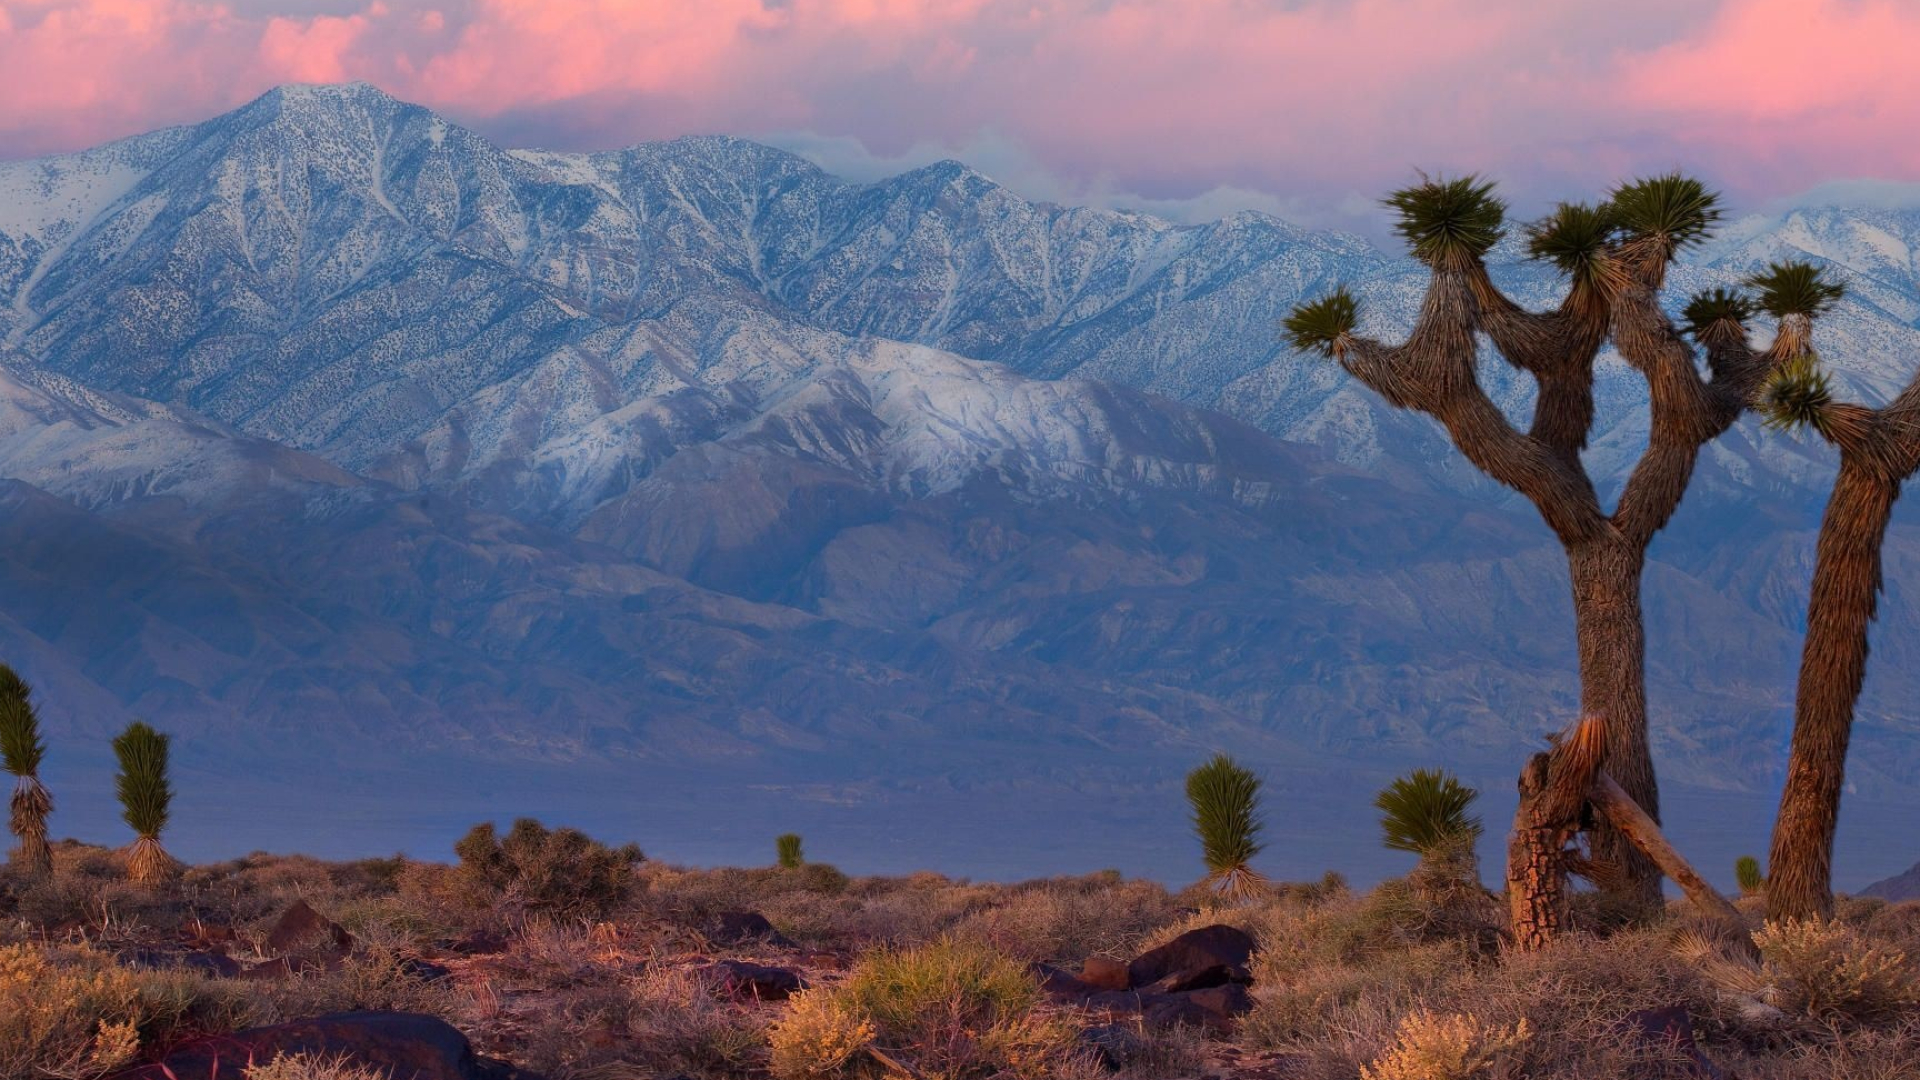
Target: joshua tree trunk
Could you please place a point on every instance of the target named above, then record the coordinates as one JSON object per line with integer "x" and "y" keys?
{"x": 1878, "y": 451}
{"x": 1613, "y": 687}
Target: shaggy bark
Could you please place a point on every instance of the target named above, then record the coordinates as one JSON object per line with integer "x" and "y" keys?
{"x": 1878, "y": 451}
{"x": 1434, "y": 372}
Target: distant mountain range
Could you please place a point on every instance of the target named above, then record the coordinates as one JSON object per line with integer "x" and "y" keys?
{"x": 328, "y": 420}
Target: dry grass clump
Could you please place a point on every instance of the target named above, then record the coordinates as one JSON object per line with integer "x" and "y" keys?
{"x": 315, "y": 1067}
{"x": 72, "y": 1013}
{"x": 1431, "y": 1046}
{"x": 1066, "y": 920}
{"x": 662, "y": 1022}
{"x": 952, "y": 1009}
{"x": 376, "y": 980}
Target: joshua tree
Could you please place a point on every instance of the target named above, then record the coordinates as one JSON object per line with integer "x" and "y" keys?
{"x": 145, "y": 798}
{"x": 1226, "y": 816}
{"x": 1615, "y": 257}
{"x": 1746, "y": 874}
{"x": 1879, "y": 450}
{"x": 1428, "y": 812}
{"x": 786, "y": 849}
{"x": 21, "y": 749}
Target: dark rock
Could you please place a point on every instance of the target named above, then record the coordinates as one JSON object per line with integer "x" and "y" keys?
{"x": 1672, "y": 1028}
{"x": 743, "y": 927}
{"x": 204, "y": 962}
{"x": 424, "y": 970}
{"x": 1115, "y": 1045}
{"x": 285, "y": 967}
{"x": 405, "y": 1045}
{"x": 304, "y": 930}
{"x": 1059, "y": 983}
{"x": 758, "y": 981}
{"x": 1223, "y": 1002}
{"x": 1195, "y": 951}
{"x": 1201, "y": 978}
{"x": 475, "y": 943}
{"x": 1104, "y": 973}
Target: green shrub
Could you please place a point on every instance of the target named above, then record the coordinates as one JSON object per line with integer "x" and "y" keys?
{"x": 787, "y": 851}
{"x": 1746, "y": 871}
{"x": 554, "y": 871}
{"x": 953, "y": 1009}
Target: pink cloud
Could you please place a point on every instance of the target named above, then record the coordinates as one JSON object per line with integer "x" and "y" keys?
{"x": 1158, "y": 97}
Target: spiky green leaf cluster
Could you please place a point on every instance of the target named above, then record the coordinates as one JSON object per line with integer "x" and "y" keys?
{"x": 20, "y": 747}
{"x": 786, "y": 849}
{"x": 1677, "y": 208}
{"x": 1574, "y": 238}
{"x": 146, "y": 796}
{"x": 1796, "y": 288}
{"x": 1710, "y": 307}
{"x": 1427, "y": 812}
{"x": 1319, "y": 325}
{"x": 1446, "y": 219}
{"x": 1797, "y": 394}
{"x": 1746, "y": 872}
{"x": 1226, "y": 814}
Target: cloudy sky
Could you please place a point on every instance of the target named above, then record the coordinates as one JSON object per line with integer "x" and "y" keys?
{"x": 1310, "y": 108}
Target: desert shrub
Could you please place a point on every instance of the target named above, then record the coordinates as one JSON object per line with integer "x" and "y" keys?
{"x": 787, "y": 851}
{"x": 73, "y": 1013}
{"x": 315, "y": 1067}
{"x": 1829, "y": 970}
{"x": 559, "y": 871}
{"x": 952, "y": 1009}
{"x": 1452, "y": 1047}
{"x": 376, "y": 980}
{"x": 1069, "y": 919}
{"x": 1429, "y": 813}
{"x": 1747, "y": 874}
{"x": 661, "y": 1022}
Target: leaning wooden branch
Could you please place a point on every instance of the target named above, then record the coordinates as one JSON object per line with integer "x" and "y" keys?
{"x": 1610, "y": 799}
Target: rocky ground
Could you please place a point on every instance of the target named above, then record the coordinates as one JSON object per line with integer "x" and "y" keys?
{"x": 577, "y": 962}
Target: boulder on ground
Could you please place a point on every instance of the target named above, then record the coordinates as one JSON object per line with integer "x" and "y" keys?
{"x": 403, "y": 1045}
{"x": 756, "y": 981}
{"x": 1193, "y": 953}
{"x": 302, "y": 930}
{"x": 744, "y": 927}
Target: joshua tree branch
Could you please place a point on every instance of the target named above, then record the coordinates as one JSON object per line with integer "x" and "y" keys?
{"x": 1434, "y": 373}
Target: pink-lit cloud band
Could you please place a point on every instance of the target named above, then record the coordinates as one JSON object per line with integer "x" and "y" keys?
{"x": 1306, "y": 102}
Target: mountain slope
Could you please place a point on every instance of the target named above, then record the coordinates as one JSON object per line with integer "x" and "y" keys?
{"x": 329, "y": 420}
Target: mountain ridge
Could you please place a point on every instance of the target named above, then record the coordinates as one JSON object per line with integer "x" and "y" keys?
{"x": 691, "y": 449}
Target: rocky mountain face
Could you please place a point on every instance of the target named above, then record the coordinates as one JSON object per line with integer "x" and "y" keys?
{"x": 329, "y": 420}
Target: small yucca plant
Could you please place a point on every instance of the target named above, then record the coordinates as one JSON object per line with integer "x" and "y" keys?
{"x": 1746, "y": 872}
{"x": 1427, "y": 812}
{"x": 786, "y": 848}
{"x": 22, "y": 751}
{"x": 146, "y": 798}
{"x": 1226, "y": 816}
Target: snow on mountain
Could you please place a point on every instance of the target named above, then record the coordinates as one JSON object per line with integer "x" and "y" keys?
{"x": 693, "y": 447}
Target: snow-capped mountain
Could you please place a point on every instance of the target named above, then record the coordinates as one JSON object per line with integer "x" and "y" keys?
{"x": 366, "y": 423}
